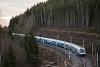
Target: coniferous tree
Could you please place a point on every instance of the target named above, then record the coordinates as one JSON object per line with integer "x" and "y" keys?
{"x": 60, "y": 13}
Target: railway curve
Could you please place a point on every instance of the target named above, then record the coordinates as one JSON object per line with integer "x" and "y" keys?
{"x": 75, "y": 61}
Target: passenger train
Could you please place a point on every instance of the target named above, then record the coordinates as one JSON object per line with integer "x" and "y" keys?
{"x": 69, "y": 46}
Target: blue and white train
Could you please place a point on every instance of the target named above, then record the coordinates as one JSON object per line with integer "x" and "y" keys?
{"x": 69, "y": 46}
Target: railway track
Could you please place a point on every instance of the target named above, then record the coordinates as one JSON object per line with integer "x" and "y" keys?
{"x": 75, "y": 61}
{"x": 84, "y": 62}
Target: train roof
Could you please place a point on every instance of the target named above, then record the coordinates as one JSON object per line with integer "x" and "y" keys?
{"x": 71, "y": 44}
{"x": 18, "y": 34}
{"x": 75, "y": 45}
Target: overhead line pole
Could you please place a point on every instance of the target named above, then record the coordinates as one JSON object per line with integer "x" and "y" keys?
{"x": 38, "y": 33}
{"x": 65, "y": 53}
{"x": 92, "y": 49}
{"x": 71, "y": 39}
{"x": 69, "y": 57}
{"x": 57, "y": 49}
{"x": 83, "y": 42}
{"x": 97, "y": 59}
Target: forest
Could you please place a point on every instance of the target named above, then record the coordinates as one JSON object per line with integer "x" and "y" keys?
{"x": 77, "y": 14}
{"x": 16, "y": 51}
{"x": 83, "y": 14}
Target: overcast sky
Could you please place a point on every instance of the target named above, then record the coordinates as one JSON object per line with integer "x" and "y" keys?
{"x": 11, "y": 8}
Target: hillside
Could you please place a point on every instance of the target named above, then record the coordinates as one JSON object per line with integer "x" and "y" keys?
{"x": 79, "y": 19}
{"x": 60, "y": 14}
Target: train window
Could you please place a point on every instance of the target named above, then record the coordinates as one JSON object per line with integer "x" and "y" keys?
{"x": 82, "y": 51}
{"x": 53, "y": 42}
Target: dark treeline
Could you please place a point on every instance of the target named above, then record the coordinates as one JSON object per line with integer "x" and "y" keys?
{"x": 17, "y": 51}
{"x": 59, "y": 13}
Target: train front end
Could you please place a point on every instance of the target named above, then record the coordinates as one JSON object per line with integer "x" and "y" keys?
{"x": 82, "y": 52}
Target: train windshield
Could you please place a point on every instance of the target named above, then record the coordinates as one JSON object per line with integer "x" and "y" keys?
{"x": 82, "y": 51}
